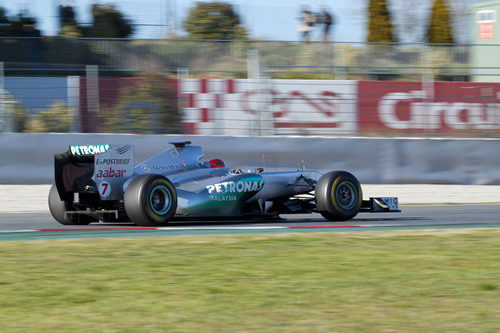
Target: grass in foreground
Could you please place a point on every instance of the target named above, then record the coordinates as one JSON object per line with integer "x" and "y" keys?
{"x": 417, "y": 281}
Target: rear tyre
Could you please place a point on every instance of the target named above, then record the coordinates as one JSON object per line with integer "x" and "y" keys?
{"x": 150, "y": 200}
{"x": 338, "y": 196}
{"x": 58, "y": 208}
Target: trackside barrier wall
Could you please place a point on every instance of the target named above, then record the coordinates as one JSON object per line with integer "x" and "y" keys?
{"x": 28, "y": 158}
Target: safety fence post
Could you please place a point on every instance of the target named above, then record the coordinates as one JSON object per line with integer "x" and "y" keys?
{"x": 92, "y": 85}
{"x": 3, "y": 114}
{"x": 264, "y": 120}
{"x": 426, "y": 65}
{"x": 7, "y": 105}
{"x": 73, "y": 88}
{"x": 182, "y": 76}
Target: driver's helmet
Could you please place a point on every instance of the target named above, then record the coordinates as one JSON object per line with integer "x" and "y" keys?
{"x": 216, "y": 163}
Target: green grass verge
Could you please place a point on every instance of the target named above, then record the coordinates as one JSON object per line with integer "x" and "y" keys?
{"x": 418, "y": 281}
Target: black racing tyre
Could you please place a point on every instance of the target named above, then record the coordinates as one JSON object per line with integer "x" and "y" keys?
{"x": 150, "y": 200}
{"x": 338, "y": 196}
{"x": 58, "y": 208}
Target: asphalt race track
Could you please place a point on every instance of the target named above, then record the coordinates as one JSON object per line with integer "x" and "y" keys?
{"x": 14, "y": 226}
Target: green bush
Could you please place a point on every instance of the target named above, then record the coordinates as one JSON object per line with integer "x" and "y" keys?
{"x": 56, "y": 119}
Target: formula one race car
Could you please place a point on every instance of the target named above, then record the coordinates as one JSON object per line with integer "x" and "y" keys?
{"x": 101, "y": 182}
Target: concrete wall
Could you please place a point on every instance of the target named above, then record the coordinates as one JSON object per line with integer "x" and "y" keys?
{"x": 28, "y": 158}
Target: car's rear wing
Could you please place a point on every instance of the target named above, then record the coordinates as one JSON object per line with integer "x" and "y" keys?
{"x": 93, "y": 168}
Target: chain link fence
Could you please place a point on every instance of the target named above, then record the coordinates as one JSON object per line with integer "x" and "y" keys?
{"x": 56, "y": 56}
{"x": 247, "y": 88}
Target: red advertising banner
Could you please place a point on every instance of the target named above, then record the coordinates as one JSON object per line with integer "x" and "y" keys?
{"x": 307, "y": 107}
{"x": 283, "y": 107}
{"x": 407, "y": 107}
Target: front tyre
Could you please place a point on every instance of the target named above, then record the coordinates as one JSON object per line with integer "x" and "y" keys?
{"x": 58, "y": 209}
{"x": 338, "y": 196}
{"x": 150, "y": 200}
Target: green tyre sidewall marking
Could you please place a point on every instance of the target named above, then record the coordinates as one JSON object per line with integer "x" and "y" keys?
{"x": 149, "y": 209}
{"x": 167, "y": 191}
{"x": 138, "y": 200}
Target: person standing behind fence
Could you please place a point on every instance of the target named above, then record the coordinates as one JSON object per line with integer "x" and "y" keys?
{"x": 307, "y": 23}
{"x": 325, "y": 18}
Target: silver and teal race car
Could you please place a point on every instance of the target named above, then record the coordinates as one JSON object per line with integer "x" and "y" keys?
{"x": 102, "y": 182}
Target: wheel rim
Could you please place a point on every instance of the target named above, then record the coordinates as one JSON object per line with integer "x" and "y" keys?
{"x": 345, "y": 195}
{"x": 160, "y": 200}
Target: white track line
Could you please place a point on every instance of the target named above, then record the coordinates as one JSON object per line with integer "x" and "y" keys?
{"x": 219, "y": 228}
{"x": 160, "y": 228}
